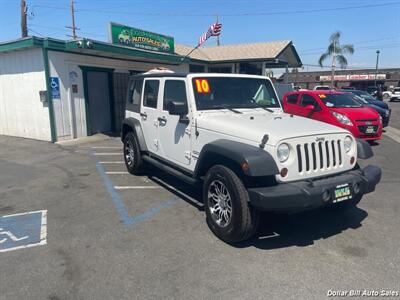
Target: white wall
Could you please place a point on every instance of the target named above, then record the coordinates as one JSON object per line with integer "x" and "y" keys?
{"x": 69, "y": 111}
{"x": 21, "y": 78}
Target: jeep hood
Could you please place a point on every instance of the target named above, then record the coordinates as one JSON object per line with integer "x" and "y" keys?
{"x": 253, "y": 126}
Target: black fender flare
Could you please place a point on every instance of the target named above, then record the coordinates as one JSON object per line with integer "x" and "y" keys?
{"x": 132, "y": 124}
{"x": 364, "y": 150}
{"x": 259, "y": 162}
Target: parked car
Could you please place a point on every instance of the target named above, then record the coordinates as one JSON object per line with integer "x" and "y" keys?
{"x": 395, "y": 96}
{"x": 228, "y": 134}
{"x": 381, "y": 107}
{"x": 322, "y": 88}
{"x": 372, "y": 90}
{"x": 336, "y": 108}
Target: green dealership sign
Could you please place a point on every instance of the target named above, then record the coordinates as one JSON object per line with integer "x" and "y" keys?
{"x": 137, "y": 38}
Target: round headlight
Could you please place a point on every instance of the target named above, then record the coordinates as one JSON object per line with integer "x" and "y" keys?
{"x": 348, "y": 143}
{"x": 283, "y": 152}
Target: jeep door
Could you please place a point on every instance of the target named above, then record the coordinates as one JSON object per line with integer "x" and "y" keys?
{"x": 174, "y": 130}
{"x": 149, "y": 113}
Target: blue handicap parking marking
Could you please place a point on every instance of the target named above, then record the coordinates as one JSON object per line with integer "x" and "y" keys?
{"x": 23, "y": 230}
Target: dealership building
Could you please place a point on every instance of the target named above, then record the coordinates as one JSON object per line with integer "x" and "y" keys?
{"x": 359, "y": 79}
{"x": 56, "y": 90}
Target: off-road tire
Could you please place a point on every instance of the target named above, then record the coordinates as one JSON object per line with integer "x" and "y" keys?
{"x": 244, "y": 219}
{"x": 137, "y": 166}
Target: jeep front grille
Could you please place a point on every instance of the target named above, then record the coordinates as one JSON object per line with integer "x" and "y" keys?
{"x": 317, "y": 156}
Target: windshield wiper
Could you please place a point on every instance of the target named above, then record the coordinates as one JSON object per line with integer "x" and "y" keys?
{"x": 227, "y": 107}
{"x": 260, "y": 106}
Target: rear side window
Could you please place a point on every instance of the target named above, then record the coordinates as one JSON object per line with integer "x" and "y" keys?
{"x": 134, "y": 95}
{"x": 150, "y": 94}
{"x": 308, "y": 100}
{"x": 292, "y": 99}
{"x": 175, "y": 90}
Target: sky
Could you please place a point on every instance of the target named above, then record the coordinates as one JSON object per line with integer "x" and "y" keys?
{"x": 369, "y": 25}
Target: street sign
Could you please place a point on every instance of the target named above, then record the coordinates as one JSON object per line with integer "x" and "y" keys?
{"x": 23, "y": 230}
{"x": 138, "y": 38}
{"x": 55, "y": 87}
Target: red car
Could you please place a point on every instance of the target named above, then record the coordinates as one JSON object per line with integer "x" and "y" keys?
{"x": 336, "y": 108}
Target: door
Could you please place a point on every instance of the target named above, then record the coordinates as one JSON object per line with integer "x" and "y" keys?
{"x": 174, "y": 133}
{"x": 307, "y": 101}
{"x": 149, "y": 114}
{"x": 99, "y": 101}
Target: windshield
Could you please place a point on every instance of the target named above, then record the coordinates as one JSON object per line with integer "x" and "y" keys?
{"x": 233, "y": 92}
{"x": 339, "y": 100}
{"x": 364, "y": 95}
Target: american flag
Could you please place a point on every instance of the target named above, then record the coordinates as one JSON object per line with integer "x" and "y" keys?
{"x": 213, "y": 30}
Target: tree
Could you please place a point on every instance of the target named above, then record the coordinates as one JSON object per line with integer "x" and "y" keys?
{"x": 337, "y": 52}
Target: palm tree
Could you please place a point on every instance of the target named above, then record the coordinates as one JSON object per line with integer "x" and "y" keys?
{"x": 337, "y": 52}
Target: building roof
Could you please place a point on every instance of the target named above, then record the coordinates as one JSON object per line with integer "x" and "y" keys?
{"x": 251, "y": 52}
{"x": 90, "y": 47}
{"x": 276, "y": 54}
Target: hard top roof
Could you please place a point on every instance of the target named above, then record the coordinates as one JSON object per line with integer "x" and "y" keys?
{"x": 160, "y": 74}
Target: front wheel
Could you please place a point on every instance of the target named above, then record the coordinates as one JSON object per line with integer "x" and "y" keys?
{"x": 226, "y": 200}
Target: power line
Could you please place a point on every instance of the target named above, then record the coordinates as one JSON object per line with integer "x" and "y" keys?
{"x": 91, "y": 10}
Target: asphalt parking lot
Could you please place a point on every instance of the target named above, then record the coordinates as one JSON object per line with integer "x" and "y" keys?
{"x": 111, "y": 235}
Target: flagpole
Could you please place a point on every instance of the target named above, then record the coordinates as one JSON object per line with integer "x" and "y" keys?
{"x": 191, "y": 51}
{"x": 217, "y": 35}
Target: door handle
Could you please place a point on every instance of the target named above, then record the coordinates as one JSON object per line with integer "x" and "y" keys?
{"x": 162, "y": 119}
{"x": 143, "y": 115}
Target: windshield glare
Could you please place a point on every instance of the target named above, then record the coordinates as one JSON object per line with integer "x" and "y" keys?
{"x": 339, "y": 100}
{"x": 233, "y": 92}
{"x": 364, "y": 95}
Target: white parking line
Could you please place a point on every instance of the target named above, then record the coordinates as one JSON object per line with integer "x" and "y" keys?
{"x": 105, "y": 147}
{"x": 107, "y": 153}
{"x": 136, "y": 187}
{"x": 111, "y": 162}
{"x": 117, "y": 173}
{"x": 393, "y": 133}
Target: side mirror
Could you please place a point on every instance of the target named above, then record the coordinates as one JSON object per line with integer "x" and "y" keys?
{"x": 177, "y": 108}
{"x": 312, "y": 108}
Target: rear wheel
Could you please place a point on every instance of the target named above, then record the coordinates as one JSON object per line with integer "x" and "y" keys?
{"x": 226, "y": 200}
{"x": 133, "y": 158}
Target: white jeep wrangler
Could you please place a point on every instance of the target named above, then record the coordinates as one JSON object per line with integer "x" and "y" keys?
{"x": 228, "y": 132}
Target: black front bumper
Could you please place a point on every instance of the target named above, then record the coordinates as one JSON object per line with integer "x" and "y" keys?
{"x": 304, "y": 195}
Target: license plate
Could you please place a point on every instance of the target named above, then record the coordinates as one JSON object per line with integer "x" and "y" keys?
{"x": 370, "y": 129}
{"x": 342, "y": 192}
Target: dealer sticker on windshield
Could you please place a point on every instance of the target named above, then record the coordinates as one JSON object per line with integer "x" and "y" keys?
{"x": 342, "y": 193}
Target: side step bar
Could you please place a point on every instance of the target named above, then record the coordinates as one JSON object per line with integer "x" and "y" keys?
{"x": 170, "y": 170}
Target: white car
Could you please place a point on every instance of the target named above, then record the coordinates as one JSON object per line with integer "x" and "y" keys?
{"x": 229, "y": 134}
{"x": 394, "y": 95}
{"x": 322, "y": 88}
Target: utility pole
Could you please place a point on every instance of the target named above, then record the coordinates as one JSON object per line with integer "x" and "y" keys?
{"x": 24, "y": 27}
{"x": 73, "y": 27}
{"x": 376, "y": 68}
{"x": 333, "y": 64}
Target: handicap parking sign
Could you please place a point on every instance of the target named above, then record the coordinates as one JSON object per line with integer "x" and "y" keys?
{"x": 23, "y": 230}
{"x": 55, "y": 87}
